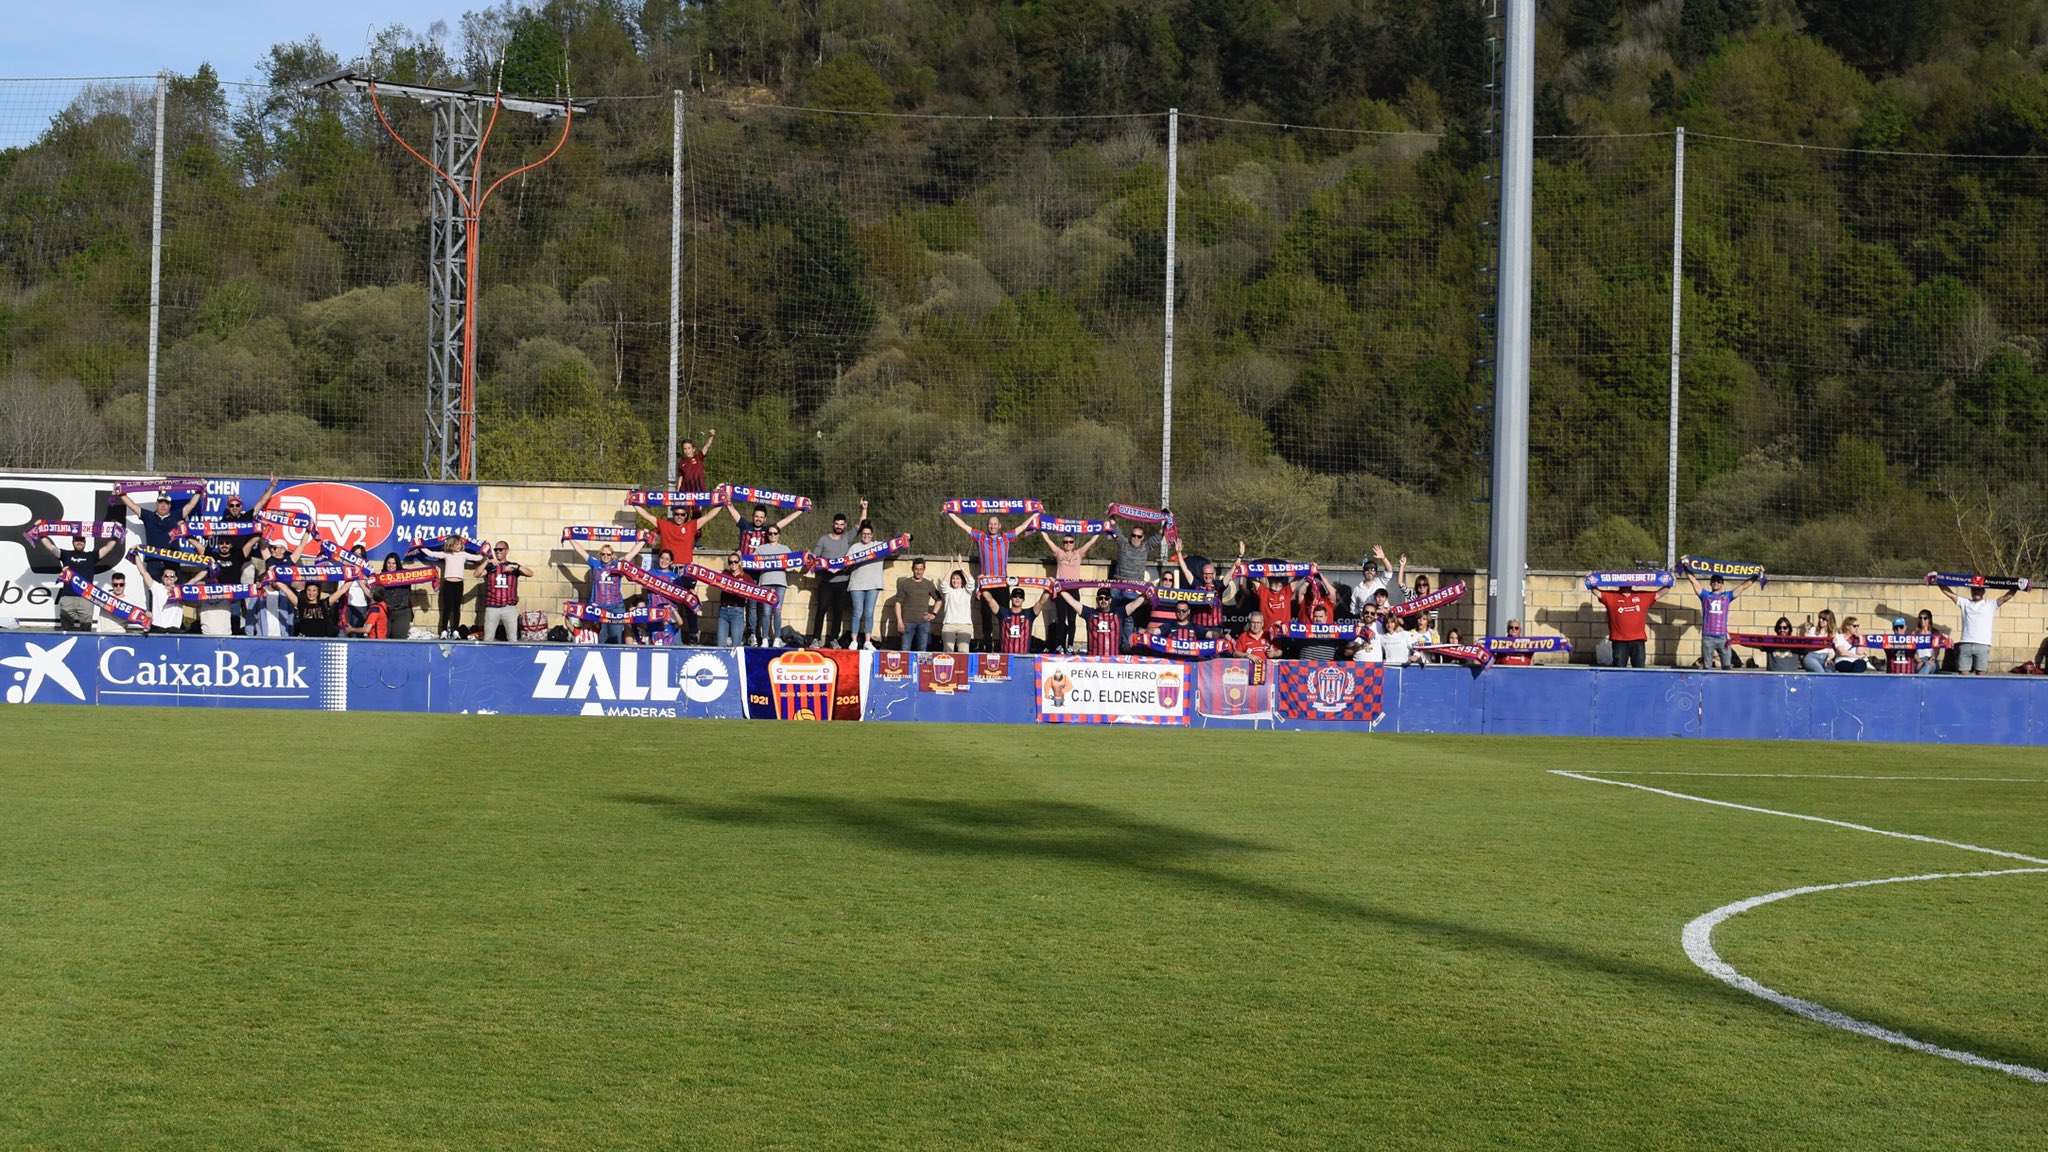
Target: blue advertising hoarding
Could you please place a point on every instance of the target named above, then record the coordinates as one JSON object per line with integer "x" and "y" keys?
{"x": 709, "y": 683}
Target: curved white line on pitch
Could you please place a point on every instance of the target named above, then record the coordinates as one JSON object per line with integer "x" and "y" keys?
{"x": 1699, "y": 934}
{"x": 1833, "y": 776}
{"x": 1699, "y": 947}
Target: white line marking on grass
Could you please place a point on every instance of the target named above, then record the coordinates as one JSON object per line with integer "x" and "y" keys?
{"x": 1699, "y": 947}
{"x": 1833, "y": 776}
{"x": 1802, "y": 816}
{"x": 1698, "y": 937}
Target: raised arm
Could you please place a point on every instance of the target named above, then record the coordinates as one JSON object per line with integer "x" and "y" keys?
{"x": 641, "y": 511}
{"x": 1692, "y": 580}
{"x": 629, "y": 553}
{"x": 132, "y": 506}
{"x": 706, "y": 518}
{"x": 709, "y": 436}
{"x": 581, "y": 548}
{"x": 991, "y": 602}
{"x": 786, "y": 521}
{"x": 1072, "y": 600}
{"x": 1082, "y": 551}
{"x": 263, "y": 501}
{"x": 955, "y": 518}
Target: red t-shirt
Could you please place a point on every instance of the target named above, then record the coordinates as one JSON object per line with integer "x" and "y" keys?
{"x": 1277, "y": 604}
{"x": 678, "y": 540}
{"x": 1312, "y": 594}
{"x": 1252, "y": 645}
{"x": 1628, "y": 614}
{"x": 501, "y": 585}
{"x": 690, "y": 473}
{"x": 1901, "y": 661}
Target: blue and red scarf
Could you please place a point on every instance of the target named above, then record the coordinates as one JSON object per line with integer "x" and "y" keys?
{"x": 316, "y": 573}
{"x": 1188, "y": 649}
{"x": 1448, "y": 594}
{"x": 1611, "y": 581}
{"x": 1261, "y": 569}
{"x": 1972, "y": 580}
{"x": 737, "y": 585}
{"x": 993, "y": 507}
{"x": 1463, "y": 653}
{"x": 1923, "y": 641}
{"x": 649, "y": 614}
{"x": 776, "y": 561}
{"x": 1330, "y": 630}
{"x": 94, "y": 529}
{"x": 215, "y": 526}
{"x": 861, "y": 554}
{"x": 217, "y": 592}
{"x": 298, "y": 520}
{"x": 1192, "y": 597}
{"x": 652, "y": 498}
{"x": 1057, "y": 526}
{"x": 748, "y": 494}
{"x": 107, "y": 601}
{"x": 1168, "y": 530}
{"x": 1127, "y": 586}
{"x": 1727, "y": 569}
{"x": 1046, "y": 582}
{"x": 1787, "y": 642}
{"x": 661, "y": 584}
{"x": 167, "y": 487}
{"x": 438, "y": 544}
{"x": 406, "y": 577}
{"x": 1524, "y": 645}
{"x": 601, "y": 533}
{"x": 174, "y": 556}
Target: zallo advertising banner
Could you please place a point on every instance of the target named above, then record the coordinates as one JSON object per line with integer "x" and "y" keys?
{"x": 380, "y": 517}
{"x": 1112, "y": 690}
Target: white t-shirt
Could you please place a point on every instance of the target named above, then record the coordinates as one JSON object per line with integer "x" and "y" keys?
{"x": 1980, "y": 618}
{"x": 958, "y": 613}
{"x": 1397, "y": 647}
{"x": 1362, "y": 594}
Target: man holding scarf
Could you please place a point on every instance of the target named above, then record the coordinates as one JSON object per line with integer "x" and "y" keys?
{"x": 157, "y": 524}
{"x": 831, "y": 602}
{"x": 75, "y": 612}
{"x": 501, "y": 593}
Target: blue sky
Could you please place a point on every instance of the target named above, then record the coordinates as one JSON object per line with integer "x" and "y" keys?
{"x": 136, "y": 38}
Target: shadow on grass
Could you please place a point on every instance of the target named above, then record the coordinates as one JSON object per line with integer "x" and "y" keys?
{"x": 1089, "y": 834}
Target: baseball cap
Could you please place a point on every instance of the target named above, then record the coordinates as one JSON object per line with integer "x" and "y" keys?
{"x": 1899, "y": 622}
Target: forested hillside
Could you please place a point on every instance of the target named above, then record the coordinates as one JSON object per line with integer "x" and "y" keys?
{"x": 924, "y": 247}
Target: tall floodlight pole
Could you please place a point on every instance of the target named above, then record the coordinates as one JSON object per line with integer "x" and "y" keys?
{"x": 1508, "y": 554}
{"x": 463, "y": 120}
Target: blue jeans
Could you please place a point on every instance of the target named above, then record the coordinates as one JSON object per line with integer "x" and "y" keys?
{"x": 864, "y": 620}
{"x": 732, "y": 625}
{"x": 1815, "y": 661}
{"x": 917, "y": 635}
{"x": 611, "y": 633}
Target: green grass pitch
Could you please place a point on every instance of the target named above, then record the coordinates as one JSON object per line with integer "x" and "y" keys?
{"x": 228, "y": 930}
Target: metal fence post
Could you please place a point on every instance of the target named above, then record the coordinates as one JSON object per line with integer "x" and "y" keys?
{"x": 675, "y": 274}
{"x": 156, "y": 277}
{"x": 1508, "y": 537}
{"x": 1677, "y": 285}
{"x": 1166, "y": 359}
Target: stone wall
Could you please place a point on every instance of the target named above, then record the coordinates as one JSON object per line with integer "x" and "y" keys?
{"x": 531, "y": 516}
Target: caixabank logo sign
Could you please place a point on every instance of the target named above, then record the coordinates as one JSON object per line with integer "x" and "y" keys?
{"x": 188, "y": 672}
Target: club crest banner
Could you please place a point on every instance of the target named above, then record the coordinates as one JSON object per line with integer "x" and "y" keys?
{"x": 803, "y": 684}
{"x": 1330, "y": 690}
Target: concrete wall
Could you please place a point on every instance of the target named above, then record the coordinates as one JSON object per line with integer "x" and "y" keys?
{"x": 531, "y": 517}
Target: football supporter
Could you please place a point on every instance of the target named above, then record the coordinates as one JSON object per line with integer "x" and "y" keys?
{"x": 992, "y": 547}
{"x": 501, "y": 592}
{"x": 1102, "y": 624}
{"x": 732, "y": 608}
{"x": 1066, "y": 568}
{"x": 157, "y": 524}
{"x": 275, "y": 611}
{"x": 916, "y": 606}
{"x": 604, "y": 585}
{"x": 764, "y": 620}
{"x": 831, "y": 603}
{"x": 455, "y": 558}
{"x": 1928, "y": 660}
{"x": 677, "y": 534}
{"x": 1205, "y": 615}
{"x": 956, "y": 611}
{"x": 1316, "y": 592}
{"x": 755, "y": 533}
{"x": 1782, "y": 659}
{"x": 75, "y": 612}
{"x": 690, "y": 466}
{"x": 166, "y": 613}
{"x": 1014, "y": 621}
{"x": 864, "y": 584}
{"x": 1129, "y": 567}
{"x": 1318, "y": 649}
{"x": 316, "y": 613}
{"x": 234, "y": 557}
{"x": 1396, "y": 644}
{"x": 1253, "y": 643}
{"x": 1515, "y": 659}
{"x": 1822, "y": 626}
{"x": 1980, "y": 622}
{"x": 1848, "y": 644}
{"x": 397, "y": 601}
{"x": 1715, "y": 601}
{"x": 1628, "y": 622}
{"x": 1372, "y": 578}
{"x": 1275, "y": 598}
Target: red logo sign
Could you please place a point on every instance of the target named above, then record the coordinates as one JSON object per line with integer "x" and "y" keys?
{"x": 342, "y": 513}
